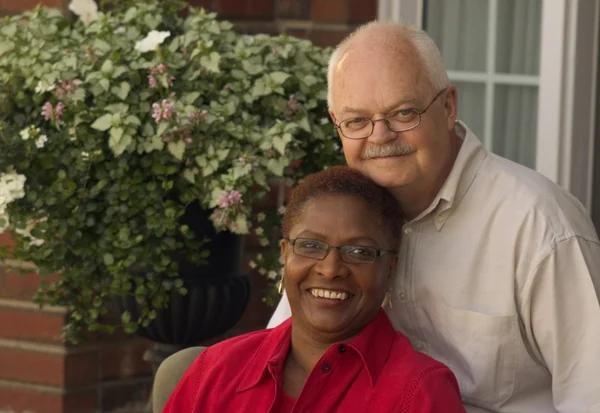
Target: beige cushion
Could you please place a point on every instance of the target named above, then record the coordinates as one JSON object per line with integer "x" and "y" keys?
{"x": 168, "y": 375}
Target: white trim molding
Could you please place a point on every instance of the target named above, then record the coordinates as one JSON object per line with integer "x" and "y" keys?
{"x": 566, "y": 108}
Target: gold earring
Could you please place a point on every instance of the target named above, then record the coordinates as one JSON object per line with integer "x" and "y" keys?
{"x": 280, "y": 284}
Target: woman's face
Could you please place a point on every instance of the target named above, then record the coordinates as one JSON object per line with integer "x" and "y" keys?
{"x": 355, "y": 290}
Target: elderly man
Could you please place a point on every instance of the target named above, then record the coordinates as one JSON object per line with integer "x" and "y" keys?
{"x": 499, "y": 268}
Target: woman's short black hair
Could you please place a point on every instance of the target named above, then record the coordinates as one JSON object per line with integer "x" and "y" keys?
{"x": 342, "y": 180}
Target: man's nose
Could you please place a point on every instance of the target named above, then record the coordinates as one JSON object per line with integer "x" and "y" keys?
{"x": 381, "y": 132}
{"x": 332, "y": 265}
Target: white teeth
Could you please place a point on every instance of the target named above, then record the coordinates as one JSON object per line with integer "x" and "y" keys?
{"x": 332, "y": 295}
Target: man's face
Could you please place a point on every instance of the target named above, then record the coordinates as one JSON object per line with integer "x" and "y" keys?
{"x": 375, "y": 82}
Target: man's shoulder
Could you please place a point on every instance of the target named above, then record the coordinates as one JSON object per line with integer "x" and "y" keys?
{"x": 527, "y": 195}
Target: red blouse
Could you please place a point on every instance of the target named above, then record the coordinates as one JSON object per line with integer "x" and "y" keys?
{"x": 378, "y": 372}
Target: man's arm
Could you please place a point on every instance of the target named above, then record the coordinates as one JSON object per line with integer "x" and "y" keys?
{"x": 282, "y": 312}
{"x": 560, "y": 309}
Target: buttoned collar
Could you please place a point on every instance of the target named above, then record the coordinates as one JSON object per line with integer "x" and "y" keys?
{"x": 372, "y": 345}
{"x": 468, "y": 161}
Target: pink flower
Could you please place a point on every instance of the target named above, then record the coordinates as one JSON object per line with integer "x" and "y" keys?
{"x": 171, "y": 79}
{"x": 292, "y": 105}
{"x": 152, "y": 81}
{"x": 167, "y": 108}
{"x": 48, "y": 111}
{"x": 161, "y": 68}
{"x": 229, "y": 198}
{"x": 164, "y": 110}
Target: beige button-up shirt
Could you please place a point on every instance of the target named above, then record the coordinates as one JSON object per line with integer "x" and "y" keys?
{"x": 500, "y": 280}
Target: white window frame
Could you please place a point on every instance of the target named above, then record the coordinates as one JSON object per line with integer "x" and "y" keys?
{"x": 566, "y": 94}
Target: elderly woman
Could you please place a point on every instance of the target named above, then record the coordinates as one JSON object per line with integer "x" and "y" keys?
{"x": 338, "y": 352}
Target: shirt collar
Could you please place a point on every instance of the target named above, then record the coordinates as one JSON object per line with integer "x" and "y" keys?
{"x": 372, "y": 345}
{"x": 465, "y": 168}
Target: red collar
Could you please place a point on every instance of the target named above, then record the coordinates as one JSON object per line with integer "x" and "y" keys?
{"x": 372, "y": 345}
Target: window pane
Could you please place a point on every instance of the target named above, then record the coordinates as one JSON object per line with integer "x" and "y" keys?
{"x": 515, "y": 123}
{"x": 459, "y": 28}
{"x": 471, "y": 104}
{"x": 518, "y": 37}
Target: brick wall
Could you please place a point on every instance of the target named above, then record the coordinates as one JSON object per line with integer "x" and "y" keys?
{"x": 38, "y": 372}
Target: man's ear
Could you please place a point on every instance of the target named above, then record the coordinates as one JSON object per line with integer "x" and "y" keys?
{"x": 332, "y": 115}
{"x": 451, "y": 106}
{"x": 393, "y": 267}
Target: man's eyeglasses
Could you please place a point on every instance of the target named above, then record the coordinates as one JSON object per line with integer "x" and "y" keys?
{"x": 398, "y": 121}
{"x": 353, "y": 254}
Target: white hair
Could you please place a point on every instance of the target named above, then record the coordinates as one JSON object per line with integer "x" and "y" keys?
{"x": 429, "y": 54}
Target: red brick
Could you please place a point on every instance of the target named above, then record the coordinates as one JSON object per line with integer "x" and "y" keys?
{"x": 247, "y": 9}
{"x": 21, "y": 5}
{"x": 294, "y": 9}
{"x": 360, "y": 11}
{"x": 125, "y": 360}
{"x": 6, "y": 240}
{"x": 81, "y": 369}
{"x": 207, "y": 4}
{"x": 327, "y": 37}
{"x": 21, "y": 287}
{"x": 31, "y": 325}
{"x": 31, "y": 367}
{"x": 330, "y": 11}
{"x": 54, "y": 369}
{"x": 119, "y": 394}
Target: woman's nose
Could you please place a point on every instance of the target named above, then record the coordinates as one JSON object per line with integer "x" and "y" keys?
{"x": 332, "y": 265}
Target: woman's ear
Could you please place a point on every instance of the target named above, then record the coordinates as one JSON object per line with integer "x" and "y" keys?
{"x": 282, "y": 247}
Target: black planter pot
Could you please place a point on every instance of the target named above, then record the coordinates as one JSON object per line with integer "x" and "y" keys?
{"x": 218, "y": 292}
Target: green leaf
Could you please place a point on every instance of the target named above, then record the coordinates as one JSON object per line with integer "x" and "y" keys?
{"x": 188, "y": 174}
{"x": 123, "y": 90}
{"x": 123, "y": 144}
{"x": 102, "y": 45}
{"x": 280, "y": 142}
{"x": 115, "y": 136}
{"x": 277, "y": 166}
{"x": 251, "y": 67}
{"x": 103, "y": 123}
{"x": 177, "y": 149}
{"x": 108, "y": 259}
{"x": 190, "y": 98}
{"x": 107, "y": 67}
{"x": 211, "y": 62}
{"x": 279, "y": 77}
{"x": 162, "y": 128}
{"x": 6, "y": 46}
{"x": 105, "y": 83}
{"x": 260, "y": 89}
{"x": 130, "y": 14}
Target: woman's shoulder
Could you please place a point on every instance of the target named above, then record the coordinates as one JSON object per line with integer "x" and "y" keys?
{"x": 404, "y": 359}
{"x": 234, "y": 345}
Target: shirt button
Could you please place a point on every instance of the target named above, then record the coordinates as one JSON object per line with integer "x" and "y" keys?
{"x": 342, "y": 349}
{"x": 402, "y": 295}
{"x": 407, "y": 230}
{"x": 325, "y": 368}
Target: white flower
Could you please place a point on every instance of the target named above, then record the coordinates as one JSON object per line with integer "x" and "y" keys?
{"x": 25, "y": 134}
{"x": 252, "y": 264}
{"x": 281, "y": 210}
{"x": 12, "y": 186}
{"x": 259, "y": 231}
{"x": 272, "y": 275}
{"x": 43, "y": 87}
{"x": 262, "y": 271}
{"x": 87, "y": 10}
{"x": 264, "y": 242}
{"x": 260, "y": 217}
{"x": 259, "y": 257}
{"x": 152, "y": 41}
{"x": 324, "y": 121}
{"x": 41, "y": 141}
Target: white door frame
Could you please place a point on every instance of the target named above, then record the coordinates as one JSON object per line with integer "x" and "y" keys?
{"x": 566, "y": 106}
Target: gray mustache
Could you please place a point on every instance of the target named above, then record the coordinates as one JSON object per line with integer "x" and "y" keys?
{"x": 393, "y": 149}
